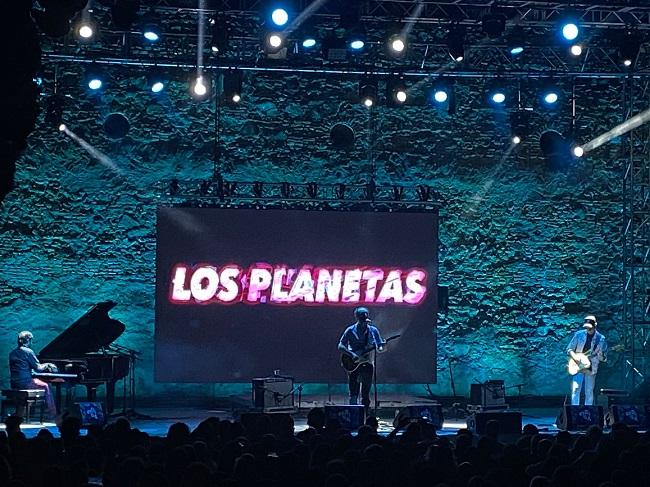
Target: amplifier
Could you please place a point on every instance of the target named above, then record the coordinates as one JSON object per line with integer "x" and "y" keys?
{"x": 348, "y": 416}
{"x": 631, "y": 415}
{"x": 273, "y": 393}
{"x": 490, "y": 393}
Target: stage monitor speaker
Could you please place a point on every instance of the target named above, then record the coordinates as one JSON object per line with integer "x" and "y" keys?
{"x": 349, "y": 417}
{"x": 90, "y": 413}
{"x": 431, "y": 413}
{"x": 580, "y": 417}
{"x": 633, "y": 416}
{"x": 273, "y": 393}
{"x": 489, "y": 394}
{"x": 509, "y": 422}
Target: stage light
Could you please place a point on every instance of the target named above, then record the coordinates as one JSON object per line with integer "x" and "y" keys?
{"x": 356, "y": 37}
{"x": 396, "y": 44}
{"x": 456, "y": 43}
{"x": 220, "y": 34}
{"x": 629, "y": 46}
{"x": 515, "y": 41}
{"x": 396, "y": 93}
{"x": 357, "y": 45}
{"x": 368, "y": 91}
{"x": 94, "y": 78}
{"x": 498, "y": 97}
{"x": 578, "y": 151}
{"x": 157, "y": 87}
{"x": 308, "y": 42}
{"x": 151, "y": 33}
{"x": 550, "y": 98}
{"x": 279, "y": 16}
{"x": 274, "y": 41}
{"x": 151, "y": 29}
{"x": 232, "y": 86}
{"x": 62, "y": 127}
{"x": 200, "y": 87}
{"x": 85, "y": 29}
{"x": 570, "y": 30}
{"x": 516, "y": 140}
{"x": 576, "y": 50}
{"x": 440, "y": 95}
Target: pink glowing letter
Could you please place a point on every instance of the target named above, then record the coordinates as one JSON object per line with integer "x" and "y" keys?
{"x": 415, "y": 289}
{"x": 179, "y": 293}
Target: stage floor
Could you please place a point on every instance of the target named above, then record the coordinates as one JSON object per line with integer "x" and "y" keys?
{"x": 156, "y": 421}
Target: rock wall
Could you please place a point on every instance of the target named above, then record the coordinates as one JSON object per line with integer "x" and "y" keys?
{"x": 526, "y": 249}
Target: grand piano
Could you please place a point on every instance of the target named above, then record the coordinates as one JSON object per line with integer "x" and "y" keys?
{"x": 83, "y": 355}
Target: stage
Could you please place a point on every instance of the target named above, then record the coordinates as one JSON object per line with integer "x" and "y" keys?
{"x": 156, "y": 421}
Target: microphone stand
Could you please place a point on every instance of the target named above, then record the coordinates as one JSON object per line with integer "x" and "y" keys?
{"x": 133, "y": 356}
{"x": 374, "y": 382}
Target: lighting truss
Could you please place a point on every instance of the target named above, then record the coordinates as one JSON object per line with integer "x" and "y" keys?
{"x": 220, "y": 192}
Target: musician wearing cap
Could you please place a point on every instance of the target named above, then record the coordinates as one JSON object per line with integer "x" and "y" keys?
{"x": 22, "y": 361}
{"x": 356, "y": 344}
{"x": 587, "y": 349}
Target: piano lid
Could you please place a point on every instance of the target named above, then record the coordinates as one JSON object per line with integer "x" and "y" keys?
{"x": 90, "y": 333}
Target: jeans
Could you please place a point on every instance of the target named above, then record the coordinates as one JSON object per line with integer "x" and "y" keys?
{"x": 580, "y": 381}
{"x": 362, "y": 377}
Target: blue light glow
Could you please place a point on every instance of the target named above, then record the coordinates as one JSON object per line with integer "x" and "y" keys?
{"x": 357, "y": 44}
{"x": 95, "y": 84}
{"x": 440, "y": 96}
{"x": 498, "y": 97}
{"x": 551, "y": 97}
{"x": 516, "y": 50}
{"x": 570, "y": 31}
{"x": 157, "y": 87}
{"x": 279, "y": 16}
{"x": 309, "y": 42}
{"x": 151, "y": 36}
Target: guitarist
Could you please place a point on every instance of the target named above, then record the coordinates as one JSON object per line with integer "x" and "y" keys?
{"x": 592, "y": 343}
{"x": 357, "y": 341}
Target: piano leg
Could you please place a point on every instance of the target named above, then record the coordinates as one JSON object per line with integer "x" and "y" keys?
{"x": 110, "y": 396}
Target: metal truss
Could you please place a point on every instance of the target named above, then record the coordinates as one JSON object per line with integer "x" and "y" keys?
{"x": 534, "y": 13}
{"x": 636, "y": 241}
{"x": 219, "y": 192}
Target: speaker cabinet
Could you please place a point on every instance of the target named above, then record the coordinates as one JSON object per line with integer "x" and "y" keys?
{"x": 349, "y": 417}
{"x": 580, "y": 417}
{"x": 431, "y": 413}
{"x": 90, "y": 413}
{"x": 488, "y": 394}
{"x": 633, "y": 416}
{"x": 509, "y": 422}
{"x": 273, "y": 394}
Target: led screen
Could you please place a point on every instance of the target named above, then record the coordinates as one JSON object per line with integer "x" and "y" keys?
{"x": 241, "y": 293}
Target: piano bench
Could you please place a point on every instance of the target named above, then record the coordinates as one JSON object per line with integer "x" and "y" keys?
{"x": 23, "y": 401}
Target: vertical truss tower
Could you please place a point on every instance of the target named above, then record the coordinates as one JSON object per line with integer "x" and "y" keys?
{"x": 636, "y": 240}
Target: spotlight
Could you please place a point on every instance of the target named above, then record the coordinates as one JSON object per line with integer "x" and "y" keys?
{"x": 94, "y": 78}
{"x": 200, "y": 86}
{"x": 155, "y": 82}
{"x": 124, "y": 13}
{"x": 493, "y": 24}
{"x": 515, "y": 41}
{"x": 570, "y": 30}
{"x": 85, "y": 29}
{"x": 356, "y": 38}
{"x": 516, "y": 140}
{"x": 368, "y": 91}
{"x": 220, "y": 34}
{"x": 550, "y": 95}
{"x": 396, "y": 93}
{"x": 62, "y": 127}
{"x": 357, "y": 44}
{"x": 576, "y": 50}
{"x": 279, "y": 16}
{"x": 308, "y": 42}
{"x": 498, "y": 97}
{"x": 397, "y": 45}
{"x": 628, "y": 47}
{"x": 232, "y": 86}
{"x": 440, "y": 95}
{"x": 578, "y": 151}
{"x": 496, "y": 94}
{"x": 456, "y": 43}
{"x": 151, "y": 32}
{"x": 274, "y": 41}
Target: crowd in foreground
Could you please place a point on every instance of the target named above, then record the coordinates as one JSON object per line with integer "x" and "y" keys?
{"x": 265, "y": 452}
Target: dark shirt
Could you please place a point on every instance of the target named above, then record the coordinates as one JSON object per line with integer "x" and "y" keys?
{"x": 587, "y": 346}
{"x": 22, "y": 361}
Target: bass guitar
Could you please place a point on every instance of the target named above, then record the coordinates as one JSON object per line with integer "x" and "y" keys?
{"x": 350, "y": 364}
{"x": 583, "y": 363}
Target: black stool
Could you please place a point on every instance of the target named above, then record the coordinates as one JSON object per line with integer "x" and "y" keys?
{"x": 23, "y": 399}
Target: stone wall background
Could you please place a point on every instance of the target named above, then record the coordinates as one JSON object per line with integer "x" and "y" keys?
{"x": 526, "y": 250}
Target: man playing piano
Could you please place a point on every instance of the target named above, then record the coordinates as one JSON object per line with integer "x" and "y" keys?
{"x": 22, "y": 361}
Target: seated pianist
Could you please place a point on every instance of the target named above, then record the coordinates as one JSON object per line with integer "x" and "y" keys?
{"x": 22, "y": 361}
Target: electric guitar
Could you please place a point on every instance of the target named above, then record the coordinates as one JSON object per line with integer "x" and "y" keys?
{"x": 583, "y": 363}
{"x": 350, "y": 364}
